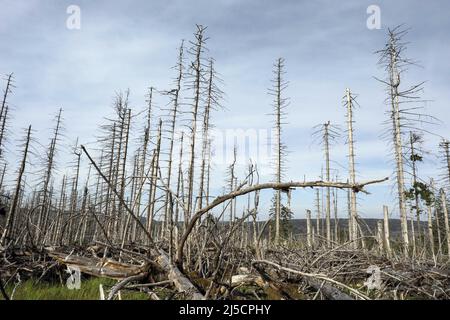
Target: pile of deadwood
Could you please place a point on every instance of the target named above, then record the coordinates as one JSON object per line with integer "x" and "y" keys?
{"x": 282, "y": 273}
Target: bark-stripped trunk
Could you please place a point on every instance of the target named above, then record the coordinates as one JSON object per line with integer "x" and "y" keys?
{"x": 12, "y": 210}
{"x": 387, "y": 240}
{"x": 446, "y": 223}
{"x": 351, "y": 167}
{"x": 327, "y": 174}
{"x": 198, "y": 73}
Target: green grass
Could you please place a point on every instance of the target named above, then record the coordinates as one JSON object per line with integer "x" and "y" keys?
{"x": 89, "y": 290}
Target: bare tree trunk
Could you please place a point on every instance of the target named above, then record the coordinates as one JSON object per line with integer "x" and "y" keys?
{"x": 336, "y": 220}
{"x": 438, "y": 230}
{"x": 309, "y": 229}
{"x": 12, "y": 210}
{"x": 198, "y": 73}
{"x": 168, "y": 216}
{"x": 4, "y": 109}
{"x": 446, "y": 223}
{"x": 430, "y": 230}
{"x": 318, "y": 214}
{"x": 127, "y": 116}
{"x": 74, "y": 194}
{"x": 279, "y": 105}
{"x": 3, "y": 176}
{"x": 180, "y": 193}
{"x": 395, "y": 81}
{"x": 3, "y": 118}
{"x": 413, "y": 234}
{"x": 109, "y": 198}
{"x": 42, "y": 220}
{"x": 349, "y": 216}
{"x": 61, "y": 207}
{"x": 154, "y": 180}
{"x": 351, "y": 156}
{"x": 387, "y": 240}
{"x": 327, "y": 174}
{"x": 380, "y": 238}
{"x": 98, "y": 195}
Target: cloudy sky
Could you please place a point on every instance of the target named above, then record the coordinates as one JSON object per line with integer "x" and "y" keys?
{"x": 133, "y": 44}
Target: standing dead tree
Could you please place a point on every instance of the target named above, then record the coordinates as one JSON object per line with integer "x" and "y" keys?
{"x": 402, "y": 115}
{"x": 392, "y": 61}
{"x": 174, "y": 111}
{"x": 327, "y": 133}
{"x": 353, "y": 220}
{"x": 446, "y": 222}
{"x": 4, "y": 109}
{"x": 12, "y": 211}
{"x": 196, "y": 77}
{"x": 74, "y": 193}
{"x": 280, "y": 103}
{"x": 45, "y": 191}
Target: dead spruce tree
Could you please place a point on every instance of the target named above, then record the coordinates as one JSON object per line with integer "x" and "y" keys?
{"x": 114, "y": 141}
{"x": 49, "y": 166}
{"x": 213, "y": 96}
{"x": 174, "y": 113}
{"x": 4, "y": 109}
{"x": 155, "y": 169}
{"x": 401, "y": 114}
{"x": 123, "y": 114}
{"x": 327, "y": 133}
{"x": 349, "y": 101}
{"x": 280, "y": 103}
{"x": 74, "y": 193}
{"x": 391, "y": 59}
{"x": 195, "y": 77}
{"x": 15, "y": 201}
{"x": 147, "y": 138}
{"x": 444, "y": 207}
{"x": 230, "y": 182}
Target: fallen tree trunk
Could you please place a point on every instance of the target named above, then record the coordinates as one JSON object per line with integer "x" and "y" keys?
{"x": 106, "y": 268}
{"x": 312, "y": 279}
{"x": 182, "y": 283}
{"x": 327, "y": 290}
{"x": 127, "y": 272}
{"x": 241, "y": 279}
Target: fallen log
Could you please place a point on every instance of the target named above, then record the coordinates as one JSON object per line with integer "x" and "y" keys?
{"x": 127, "y": 272}
{"x": 182, "y": 283}
{"x": 241, "y": 279}
{"x": 106, "y": 268}
{"x": 313, "y": 280}
{"x": 327, "y": 290}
